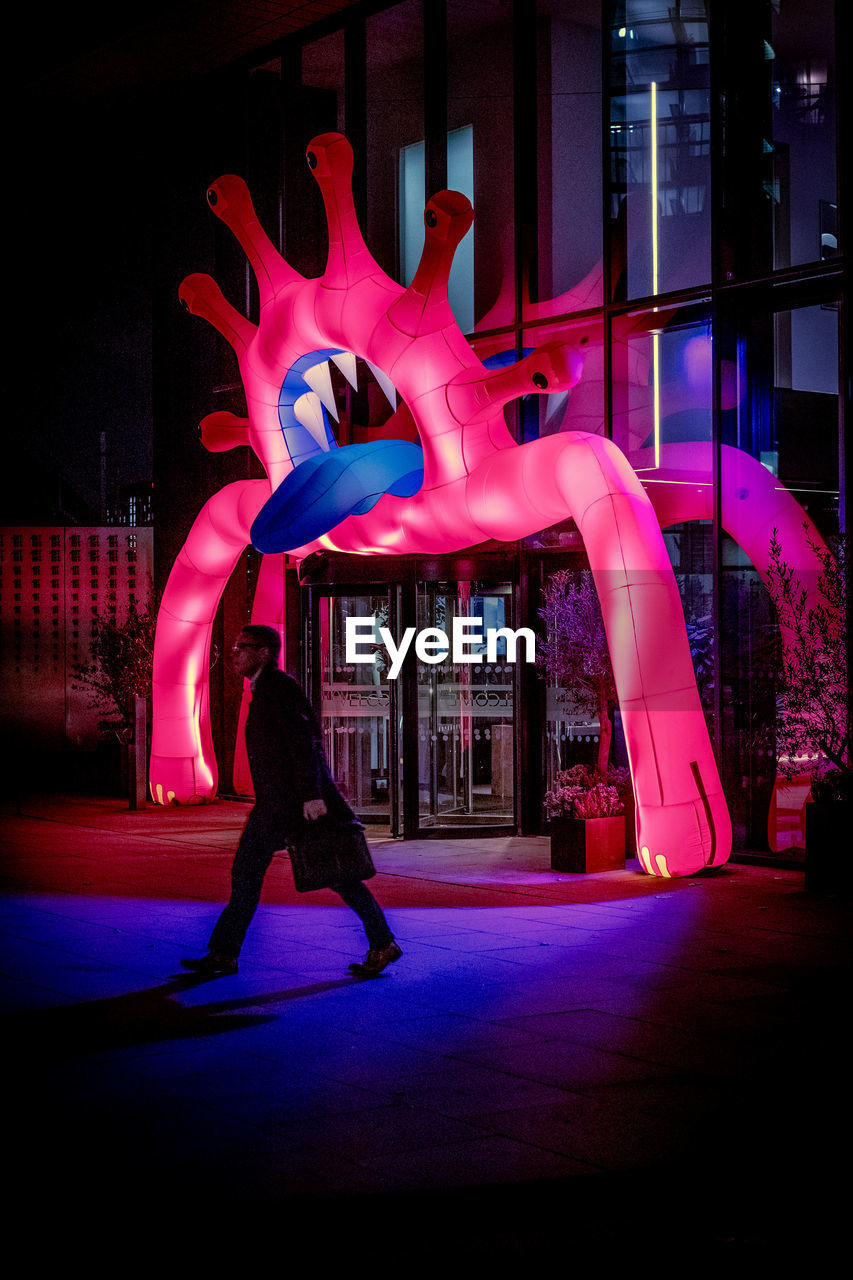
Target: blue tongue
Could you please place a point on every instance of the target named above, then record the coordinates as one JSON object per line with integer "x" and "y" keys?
{"x": 325, "y": 489}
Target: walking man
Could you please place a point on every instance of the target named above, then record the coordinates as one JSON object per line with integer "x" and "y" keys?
{"x": 293, "y": 784}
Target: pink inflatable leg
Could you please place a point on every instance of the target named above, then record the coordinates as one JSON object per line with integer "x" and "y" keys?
{"x": 183, "y": 764}
{"x": 683, "y": 822}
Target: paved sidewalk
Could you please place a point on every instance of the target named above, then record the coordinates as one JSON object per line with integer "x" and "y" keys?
{"x": 554, "y": 1057}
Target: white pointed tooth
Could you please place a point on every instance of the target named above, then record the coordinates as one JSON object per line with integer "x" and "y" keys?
{"x": 319, "y": 379}
{"x": 555, "y": 406}
{"x": 309, "y": 412}
{"x": 385, "y": 383}
{"x": 345, "y": 361}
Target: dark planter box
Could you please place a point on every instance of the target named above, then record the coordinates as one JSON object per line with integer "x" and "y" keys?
{"x": 828, "y": 857}
{"x": 582, "y": 845}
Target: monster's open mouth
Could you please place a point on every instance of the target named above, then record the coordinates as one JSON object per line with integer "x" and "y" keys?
{"x": 314, "y": 391}
{"x": 330, "y": 481}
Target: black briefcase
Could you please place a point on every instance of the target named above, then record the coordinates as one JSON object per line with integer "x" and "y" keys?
{"x": 325, "y": 854}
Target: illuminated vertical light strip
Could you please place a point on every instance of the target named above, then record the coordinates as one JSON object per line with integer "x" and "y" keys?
{"x": 656, "y": 392}
{"x": 654, "y": 187}
{"x": 655, "y": 335}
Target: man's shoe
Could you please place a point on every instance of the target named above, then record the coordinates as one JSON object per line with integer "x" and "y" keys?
{"x": 213, "y": 965}
{"x": 377, "y": 959}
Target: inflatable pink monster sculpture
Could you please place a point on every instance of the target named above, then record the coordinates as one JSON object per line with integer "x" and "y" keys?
{"x": 467, "y": 482}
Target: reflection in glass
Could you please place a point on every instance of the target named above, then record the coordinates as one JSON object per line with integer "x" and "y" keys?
{"x": 581, "y": 408}
{"x": 356, "y": 707}
{"x": 465, "y": 713}
{"x": 412, "y": 198}
{"x": 569, "y": 154}
{"x": 480, "y": 98}
{"x": 395, "y": 118}
{"x": 785, "y": 414}
{"x": 779, "y": 205}
{"x": 799, "y": 155}
{"x": 572, "y": 716}
{"x": 662, "y": 395}
{"x": 323, "y": 70}
{"x": 660, "y": 146}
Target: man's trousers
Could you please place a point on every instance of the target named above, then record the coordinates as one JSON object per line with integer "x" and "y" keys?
{"x": 262, "y": 836}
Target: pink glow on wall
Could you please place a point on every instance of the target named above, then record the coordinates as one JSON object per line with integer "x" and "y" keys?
{"x": 477, "y": 484}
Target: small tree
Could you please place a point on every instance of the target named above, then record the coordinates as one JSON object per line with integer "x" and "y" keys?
{"x": 121, "y": 666}
{"x": 574, "y": 650}
{"x": 814, "y": 721}
{"x": 700, "y": 638}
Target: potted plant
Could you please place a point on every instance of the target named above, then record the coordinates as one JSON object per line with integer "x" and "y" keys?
{"x": 587, "y": 819}
{"x": 814, "y": 722}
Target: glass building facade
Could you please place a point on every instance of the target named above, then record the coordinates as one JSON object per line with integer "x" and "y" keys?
{"x": 659, "y": 183}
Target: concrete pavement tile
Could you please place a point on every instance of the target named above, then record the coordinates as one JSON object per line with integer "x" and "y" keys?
{"x": 362, "y": 1063}
{"x": 464, "y": 1088}
{"x": 648, "y": 1041}
{"x": 675, "y": 1101}
{"x": 447, "y": 1033}
{"x": 585, "y": 1129}
{"x": 548, "y": 994}
{"x": 470, "y": 940}
{"x": 564, "y": 1064}
{"x": 307, "y": 1178}
{"x": 477, "y": 1161}
{"x": 270, "y": 1094}
{"x": 366, "y": 1134}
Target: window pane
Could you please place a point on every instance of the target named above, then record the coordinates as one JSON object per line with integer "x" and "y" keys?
{"x": 323, "y": 69}
{"x": 460, "y": 177}
{"x": 581, "y": 408}
{"x": 356, "y": 706}
{"x": 784, "y": 414}
{"x": 569, "y": 154}
{"x": 662, "y": 397}
{"x": 395, "y": 119}
{"x": 304, "y": 110}
{"x": 785, "y": 405}
{"x": 411, "y": 188}
{"x": 779, "y": 206}
{"x": 660, "y": 146}
{"x": 411, "y": 193}
{"x": 802, "y": 185}
{"x": 479, "y": 98}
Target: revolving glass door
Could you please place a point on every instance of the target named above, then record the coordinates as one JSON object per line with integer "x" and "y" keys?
{"x": 358, "y": 703}
{"x": 466, "y": 738}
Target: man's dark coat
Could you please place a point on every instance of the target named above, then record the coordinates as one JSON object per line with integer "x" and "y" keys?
{"x": 286, "y": 758}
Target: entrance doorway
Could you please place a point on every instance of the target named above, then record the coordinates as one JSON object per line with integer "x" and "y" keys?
{"x": 433, "y": 748}
{"x": 466, "y": 752}
{"x": 358, "y": 702}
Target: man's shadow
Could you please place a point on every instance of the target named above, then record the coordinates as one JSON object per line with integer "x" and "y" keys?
{"x": 45, "y": 1036}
